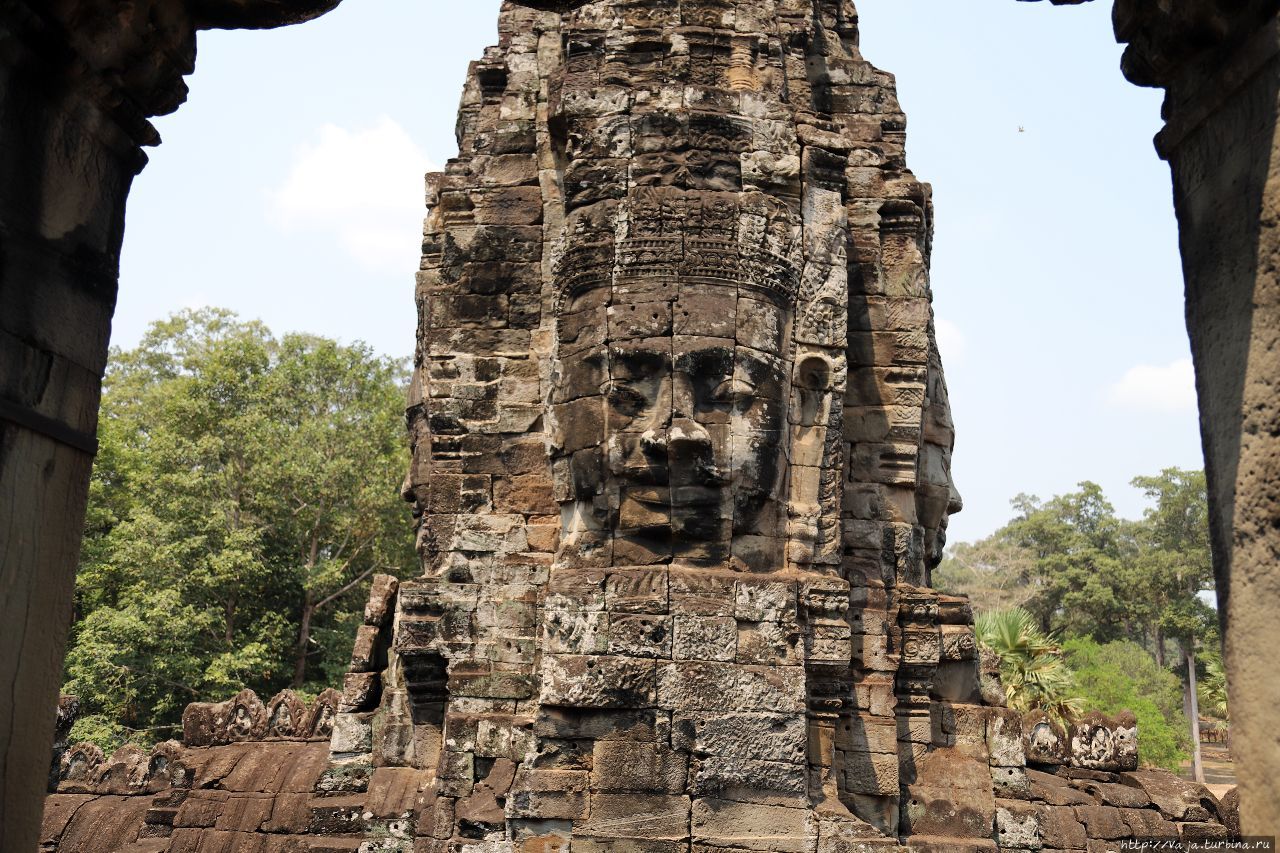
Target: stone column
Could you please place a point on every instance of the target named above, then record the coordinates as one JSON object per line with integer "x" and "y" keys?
{"x": 1219, "y": 65}
{"x": 78, "y": 81}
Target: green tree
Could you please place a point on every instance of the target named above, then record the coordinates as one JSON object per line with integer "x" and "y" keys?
{"x": 1032, "y": 669}
{"x": 245, "y": 491}
{"x": 337, "y": 423}
{"x": 1082, "y": 572}
{"x": 1213, "y": 688}
{"x": 1120, "y": 676}
{"x": 1174, "y": 565}
{"x": 1172, "y": 569}
{"x": 994, "y": 572}
{"x": 1080, "y": 550}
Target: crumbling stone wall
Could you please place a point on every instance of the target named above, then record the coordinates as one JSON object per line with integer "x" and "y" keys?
{"x": 86, "y": 79}
{"x": 681, "y": 439}
{"x": 269, "y": 797}
{"x": 255, "y": 778}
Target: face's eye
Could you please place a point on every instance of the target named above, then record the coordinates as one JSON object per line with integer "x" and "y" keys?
{"x": 735, "y": 392}
{"x": 624, "y": 398}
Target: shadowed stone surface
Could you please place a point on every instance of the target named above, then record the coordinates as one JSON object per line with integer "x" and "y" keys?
{"x": 79, "y": 80}
{"x": 287, "y": 796}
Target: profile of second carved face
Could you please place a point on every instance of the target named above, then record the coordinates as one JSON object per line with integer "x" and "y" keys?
{"x": 671, "y": 418}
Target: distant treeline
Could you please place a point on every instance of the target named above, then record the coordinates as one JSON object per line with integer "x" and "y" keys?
{"x": 1092, "y": 611}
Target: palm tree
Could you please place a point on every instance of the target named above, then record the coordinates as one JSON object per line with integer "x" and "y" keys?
{"x": 1213, "y": 689}
{"x": 1034, "y": 673}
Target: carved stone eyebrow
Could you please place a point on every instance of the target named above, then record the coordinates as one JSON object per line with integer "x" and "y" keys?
{"x": 638, "y": 363}
{"x": 718, "y": 359}
{"x": 757, "y": 367}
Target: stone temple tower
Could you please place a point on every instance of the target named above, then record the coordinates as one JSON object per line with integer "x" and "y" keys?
{"x": 681, "y": 465}
{"x": 681, "y": 453}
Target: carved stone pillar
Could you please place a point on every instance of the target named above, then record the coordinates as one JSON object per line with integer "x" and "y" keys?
{"x": 1220, "y": 65}
{"x": 78, "y": 80}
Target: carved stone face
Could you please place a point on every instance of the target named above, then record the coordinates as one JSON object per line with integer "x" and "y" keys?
{"x": 937, "y": 498}
{"x": 689, "y": 459}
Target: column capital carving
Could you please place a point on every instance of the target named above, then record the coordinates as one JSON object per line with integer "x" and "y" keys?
{"x": 1165, "y": 41}
{"x": 256, "y": 14}
{"x": 130, "y": 59}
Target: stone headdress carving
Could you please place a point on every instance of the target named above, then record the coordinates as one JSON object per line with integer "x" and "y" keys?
{"x": 747, "y": 240}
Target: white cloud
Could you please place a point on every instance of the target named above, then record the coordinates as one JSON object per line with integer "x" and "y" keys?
{"x": 363, "y": 187}
{"x": 951, "y": 341}
{"x": 1168, "y": 388}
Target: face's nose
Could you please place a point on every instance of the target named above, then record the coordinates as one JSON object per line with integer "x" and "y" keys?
{"x": 955, "y": 503}
{"x": 654, "y": 438}
{"x": 683, "y": 448}
{"x": 674, "y": 432}
{"x": 671, "y": 429}
{"x": 682, "y": 436}
{"x": 654, "y": 442}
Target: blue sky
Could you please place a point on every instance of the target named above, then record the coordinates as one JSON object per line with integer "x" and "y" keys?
{"x": 289, "y": 188}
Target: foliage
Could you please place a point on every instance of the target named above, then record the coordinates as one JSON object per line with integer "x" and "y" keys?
{"x": 994, "y": 571}
{"x": 1032, "y": 668}
{"x": 244, "y": 492}
{"x": 1081, "y": 551}
{"x": 106, "y": 733}
{"x": 1174, "y": 563}
{"x": 1122, "y": 675}
{"x": 1127, "y": 590}
{"x": 1212, "y": 688}
{"x": 1082, "y": 571}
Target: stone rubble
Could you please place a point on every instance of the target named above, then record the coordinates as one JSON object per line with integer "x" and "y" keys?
{"x": 286, "y": 795}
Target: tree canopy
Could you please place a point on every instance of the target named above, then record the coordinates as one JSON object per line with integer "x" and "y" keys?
{"x": 1082, "y": 571}
{"x": 1123, "y": 593}
{"x": 245, "y": 490}
{"x": 1120, "y": 676}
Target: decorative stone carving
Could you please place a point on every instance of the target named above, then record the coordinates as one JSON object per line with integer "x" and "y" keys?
{"x": 167, "y": 767}
{"x": 319, "y": 719}
{"x": 80, "y": 763}
{"x": 1044, "y": 741}
{"x": 1105, "y": 743}
{"x": 129, "y": 771}
{"x": 241, "y": 718}
{"x": 286, "y": 716}
{"x": 245, "y": 718}
{"x": 125, "y": 771}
